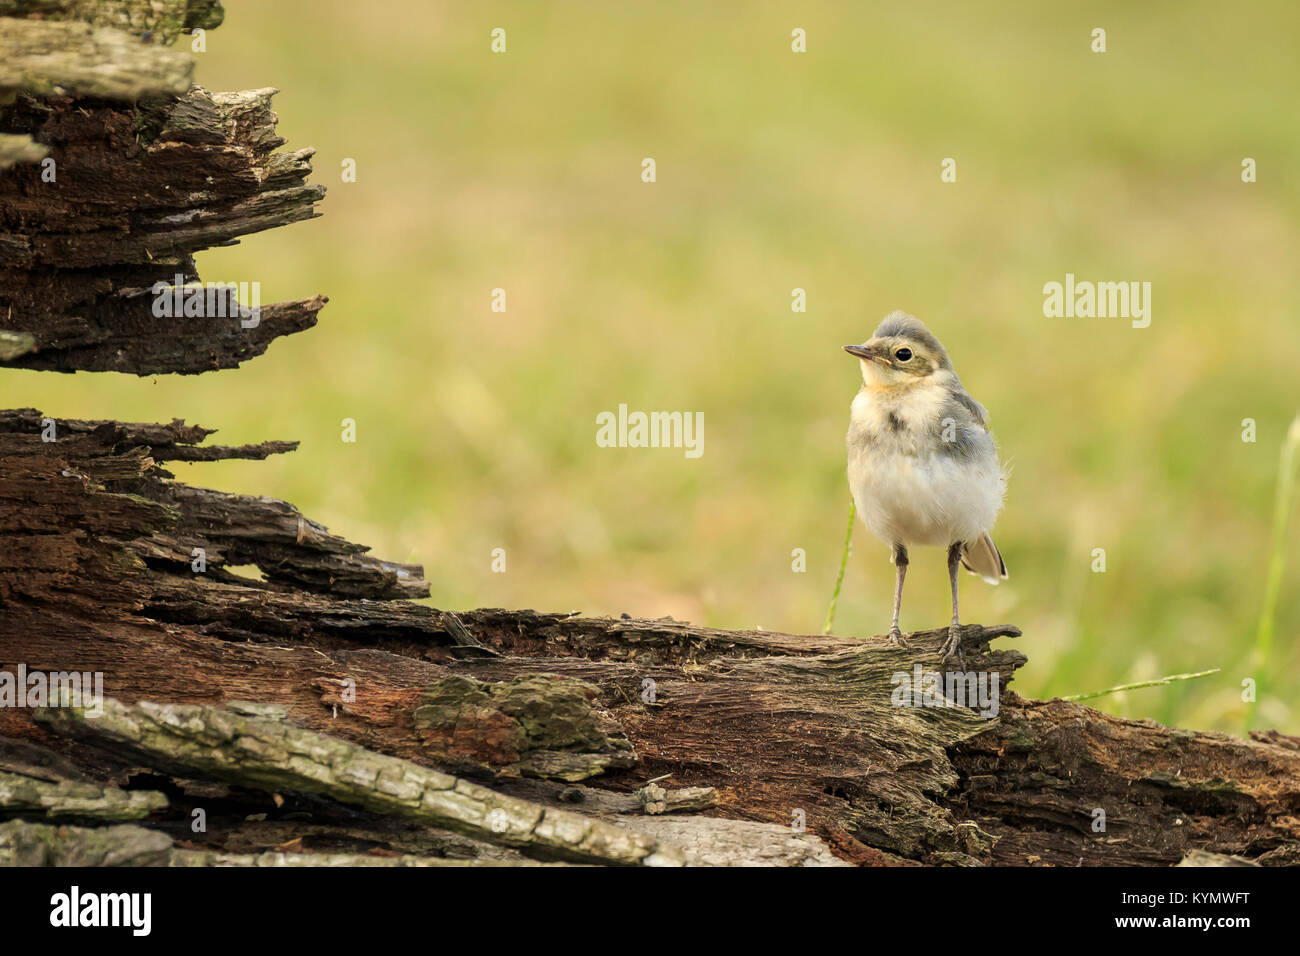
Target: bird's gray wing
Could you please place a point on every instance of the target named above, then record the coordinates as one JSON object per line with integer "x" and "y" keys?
{"x": 977, "y": 413}
{"x": 961, "y": 427}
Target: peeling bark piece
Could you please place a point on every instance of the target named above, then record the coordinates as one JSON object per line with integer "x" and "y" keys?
{"x": 149, "y": 186}
{"x": 711, "y": 841}
{"x": 54, "y": 58}
{"x": 99, "y": 482}
{"x": 91, "y": 261}
{"x": 535, "y": 726}
{"x": 140, "y": 344}
{"x": 252, "y": 708}
{"x": 41, "y": 844}
{"x": 28, "y": 797}
{"x": 656, "y": 800}
{"x": 173, "y": 442}
{"x": 207, "y": 741}
{"x": 287, "y": 547}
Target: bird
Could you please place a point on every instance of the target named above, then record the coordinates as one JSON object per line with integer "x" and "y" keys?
{"x": 923, "y": 468}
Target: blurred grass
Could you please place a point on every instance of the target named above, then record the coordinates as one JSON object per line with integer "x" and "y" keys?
{"x": 775, "y": 171}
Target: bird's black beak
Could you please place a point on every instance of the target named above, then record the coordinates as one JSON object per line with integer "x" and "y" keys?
{"x": 864, "y": 352}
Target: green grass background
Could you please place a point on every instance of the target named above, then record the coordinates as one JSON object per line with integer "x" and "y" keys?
{"x": 775, "y": 171}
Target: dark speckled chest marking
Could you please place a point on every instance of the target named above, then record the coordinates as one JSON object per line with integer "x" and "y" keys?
{"x": 923, "y": 424}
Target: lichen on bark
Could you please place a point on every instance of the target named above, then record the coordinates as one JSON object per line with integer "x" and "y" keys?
{"x": 538, "y": 725}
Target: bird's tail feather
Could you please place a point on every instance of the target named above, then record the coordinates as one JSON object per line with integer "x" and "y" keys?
{"x": 981, "y": 557}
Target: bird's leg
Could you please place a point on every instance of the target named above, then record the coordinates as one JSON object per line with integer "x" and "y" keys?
{"x": 900, "y": 572}
{"x": 952, "y": 648}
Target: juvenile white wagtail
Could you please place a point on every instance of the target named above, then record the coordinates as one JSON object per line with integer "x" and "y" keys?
{"x": 923, "y": 468}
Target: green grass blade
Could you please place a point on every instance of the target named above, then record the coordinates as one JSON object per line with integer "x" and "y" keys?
{"x": 844, "y": 563}
{"x": 1157, "y": 682}
{"x": 1286, "y": 483}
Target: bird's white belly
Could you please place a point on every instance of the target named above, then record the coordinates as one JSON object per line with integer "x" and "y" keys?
{"x": 925, "y": 500}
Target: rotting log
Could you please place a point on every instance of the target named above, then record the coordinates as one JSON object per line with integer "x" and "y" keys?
{"x": 114, "y": 173}
{"x": 138, "y": 170}
{"x": 96, "y": 575}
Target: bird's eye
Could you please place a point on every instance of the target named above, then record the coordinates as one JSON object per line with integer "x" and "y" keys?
{"x": 903, "y": 355}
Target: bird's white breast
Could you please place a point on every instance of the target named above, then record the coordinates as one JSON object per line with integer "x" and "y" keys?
{"x": 908, "y": 488}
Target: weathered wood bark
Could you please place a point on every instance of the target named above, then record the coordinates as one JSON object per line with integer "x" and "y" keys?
{"x": 274, "y": 755}
{"x": 159, "y": 20}
{"x": 34, "y": 844}
{"x": 96, "y": 575}
{"x": 55, "y": 58}
{"x": 138, "y": 171}
{"x": 34, "y": 798}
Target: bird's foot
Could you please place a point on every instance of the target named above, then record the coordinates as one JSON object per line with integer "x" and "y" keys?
{"x": 896, "y": 639}
{"x": 952, "y": 647}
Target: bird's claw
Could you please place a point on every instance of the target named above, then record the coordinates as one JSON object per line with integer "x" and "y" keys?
{"x": 896, "y": 639}
{"x": 952, "y": 647}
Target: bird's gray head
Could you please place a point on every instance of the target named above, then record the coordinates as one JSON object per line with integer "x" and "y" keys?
{"x": 901, "y": 352}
